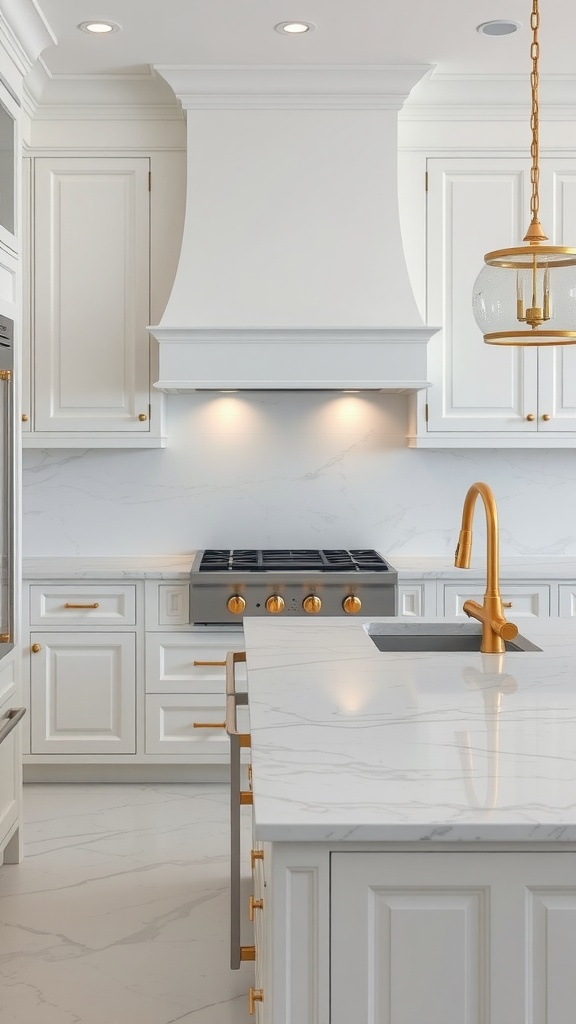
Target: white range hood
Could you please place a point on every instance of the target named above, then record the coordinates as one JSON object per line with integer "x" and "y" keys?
{"x": 292, "y": 273}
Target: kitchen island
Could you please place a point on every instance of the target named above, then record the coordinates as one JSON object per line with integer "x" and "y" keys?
{"x": 417, "y": 817}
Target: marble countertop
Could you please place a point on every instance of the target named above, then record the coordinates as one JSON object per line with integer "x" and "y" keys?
{"x": 351, "y": 744}
{"x": 534, "y": 567}
{"x": 120, "y": 567}
{"x": 178, "y": 567}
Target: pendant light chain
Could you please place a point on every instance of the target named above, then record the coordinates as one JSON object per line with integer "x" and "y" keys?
{"x": 534, "y": 116}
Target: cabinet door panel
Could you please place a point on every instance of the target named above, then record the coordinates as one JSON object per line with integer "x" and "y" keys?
{"x": 10, "y": 775}
{"x": 83, "y": 693}
{"x": 526, "y": 600}
{"x": 453, "y": 938}
{"x": 474, "y": 206}
{"x": 557, "y": 365}
{"x": 91, "y": 294}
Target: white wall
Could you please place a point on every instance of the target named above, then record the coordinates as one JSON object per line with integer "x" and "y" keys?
{"x": 278, "y": 470}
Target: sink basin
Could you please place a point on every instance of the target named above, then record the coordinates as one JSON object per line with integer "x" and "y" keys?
{"x": 441, "y": 637}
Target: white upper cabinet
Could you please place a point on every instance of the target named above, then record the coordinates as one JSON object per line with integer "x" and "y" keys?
{"x": 482, "y": 395}
{"x": 90, "y": 304}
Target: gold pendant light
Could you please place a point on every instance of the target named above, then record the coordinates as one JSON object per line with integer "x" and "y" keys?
{"x": 527, "y": 295}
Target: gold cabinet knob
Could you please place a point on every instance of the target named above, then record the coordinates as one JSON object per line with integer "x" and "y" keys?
{"x": 530, "y": 417}
{"x": 24, "y": 417}
{"x": 142, "y": 417}
{"x": 35, "y": 648}
{"x": 351, "y": 605}
{"x": 275, "y": 604}
{"x": 546, "y": 417}
{"x": 254, "y": 905}
{"x": 254, "y": 856}
{"x": 255, "y": 995}
{"x": 312, "y": 604}
{"x": 236, "y": 604}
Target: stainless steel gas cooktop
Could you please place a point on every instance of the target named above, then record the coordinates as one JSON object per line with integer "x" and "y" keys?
{"x": 228, "y": 583}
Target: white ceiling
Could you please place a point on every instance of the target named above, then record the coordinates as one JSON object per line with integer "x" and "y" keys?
{"x": 440, "y": 32}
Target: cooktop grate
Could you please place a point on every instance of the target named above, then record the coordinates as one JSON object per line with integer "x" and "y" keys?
{"x": 291, "y": 560}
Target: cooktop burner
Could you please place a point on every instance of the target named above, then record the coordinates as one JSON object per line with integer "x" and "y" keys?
{"x": 253, "y": 560}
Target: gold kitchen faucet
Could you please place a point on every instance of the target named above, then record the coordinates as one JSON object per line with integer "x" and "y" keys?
{"x": 495, "y": 627}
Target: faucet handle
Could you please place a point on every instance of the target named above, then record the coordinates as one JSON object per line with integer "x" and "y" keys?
{"x": 503, "y": 628}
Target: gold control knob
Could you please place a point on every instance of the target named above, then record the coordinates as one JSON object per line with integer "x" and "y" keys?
{"x": 546, "y": 417}
{"x": 142, "y": 417}
{"x": 351, "y": 605}
{"x": 35, "y": 648}
{"x": 312, "y": 604}
{"x": 254, "y": 856}
{"x": 24, "y": 417}
{"x": 236, "y": 604}
{"x": 530, "y": 417}
{"x": 254, "y": 905}
{"x": 255, "y": 995}
{"x": 275, "y": 604}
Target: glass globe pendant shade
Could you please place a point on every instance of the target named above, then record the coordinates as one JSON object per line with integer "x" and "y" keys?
{"x": 527, "y": 296}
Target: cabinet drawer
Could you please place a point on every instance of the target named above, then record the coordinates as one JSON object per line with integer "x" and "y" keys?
{"x": 74, "y": 605}
{"x": 167, "y": 604}
{"x": 417, "y": 598}
{"x": 176, "y": 724}
{"x": 528, "y": 600}
{"x": 180, "y": 664}
{"x": 567, "y": 600}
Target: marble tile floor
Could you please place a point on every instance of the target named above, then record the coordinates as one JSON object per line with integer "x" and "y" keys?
{"x": 119, "y": 912}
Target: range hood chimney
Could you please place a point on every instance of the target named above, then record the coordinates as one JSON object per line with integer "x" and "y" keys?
{"x": 292, "y": 272}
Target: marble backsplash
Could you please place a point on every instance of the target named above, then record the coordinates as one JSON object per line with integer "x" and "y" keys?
{"x": 290, "y": 469}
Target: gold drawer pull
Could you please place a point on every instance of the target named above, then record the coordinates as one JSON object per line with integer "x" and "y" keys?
{"x": 247, "y": 952}
{"x": 254, "y": 905}
{"x": 246, "y": 796}
{"x": 546, "y": 417}
{"x": 35, "y": 648}
{"x": 95, "y": 605}
{"x": 220, "y": 663}
{"x": 506, "y": 604}
{"x": 209, "y": 725}
{"x": 255, "y": 995}
{"x": 254, "y": 856}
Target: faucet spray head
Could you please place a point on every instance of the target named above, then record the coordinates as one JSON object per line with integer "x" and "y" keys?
{"x": 463, "y": 550}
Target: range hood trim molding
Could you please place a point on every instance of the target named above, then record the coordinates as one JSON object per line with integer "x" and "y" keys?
{"x": 213, "y": 359}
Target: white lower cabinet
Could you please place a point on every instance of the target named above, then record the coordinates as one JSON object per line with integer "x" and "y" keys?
{"x": 10, "y": 767}
{"x": 453, "y": 938}
{"x": 520, "y": 600}
{"x": 186, "y": 724}
{"x": 417, "y": 598}
{"x": 83, "y": 693}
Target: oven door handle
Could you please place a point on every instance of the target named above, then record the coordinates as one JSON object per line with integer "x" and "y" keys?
{"x": 13, "y": 716}
{"x": 237, "y": 741}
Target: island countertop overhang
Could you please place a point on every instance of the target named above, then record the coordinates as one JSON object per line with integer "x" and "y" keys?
{"x": 351, "y": 744}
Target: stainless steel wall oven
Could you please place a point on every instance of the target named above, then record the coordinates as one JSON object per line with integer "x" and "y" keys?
{"x": 7, "y": 455}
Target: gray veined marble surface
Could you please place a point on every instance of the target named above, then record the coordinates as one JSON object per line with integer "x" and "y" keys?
{"x": 119, "y": 912}
{"x": 349, "y": 743}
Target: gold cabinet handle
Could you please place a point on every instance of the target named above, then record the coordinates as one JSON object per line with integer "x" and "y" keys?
{"x": 35, "y": 648}
{"x": 95, "y": 605}
{"x": 254, "y": 856}
{"x": 255, "y": 995}
{"x": 24, "y": 417}
{"x": 221, "y": 663}
{"x": 247, "y": 952}
{"x": 254, "y": 905}
{"x": 506, "y": 604}
{"x": 209, "y": 725}
{"x": 530, "y": 417}
{"x": 142, "y": 417}
{"x": 246, "y": 796}
{"x": 546, "y": 417}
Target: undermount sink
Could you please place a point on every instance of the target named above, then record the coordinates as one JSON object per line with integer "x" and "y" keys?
{"x": 432, "y": 637}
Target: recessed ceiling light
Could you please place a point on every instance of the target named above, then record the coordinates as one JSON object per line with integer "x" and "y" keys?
{"x": 294, "y": 28}
{"x": 498, "y": 28}
{"x": 101, "y": 28}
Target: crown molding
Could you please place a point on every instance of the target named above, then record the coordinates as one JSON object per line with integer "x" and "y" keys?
{"x": 29, "y": 29}
{"x": 317, "y": 86}
{"x": 140, "y": 96}
{"x": 479, "y": 97}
